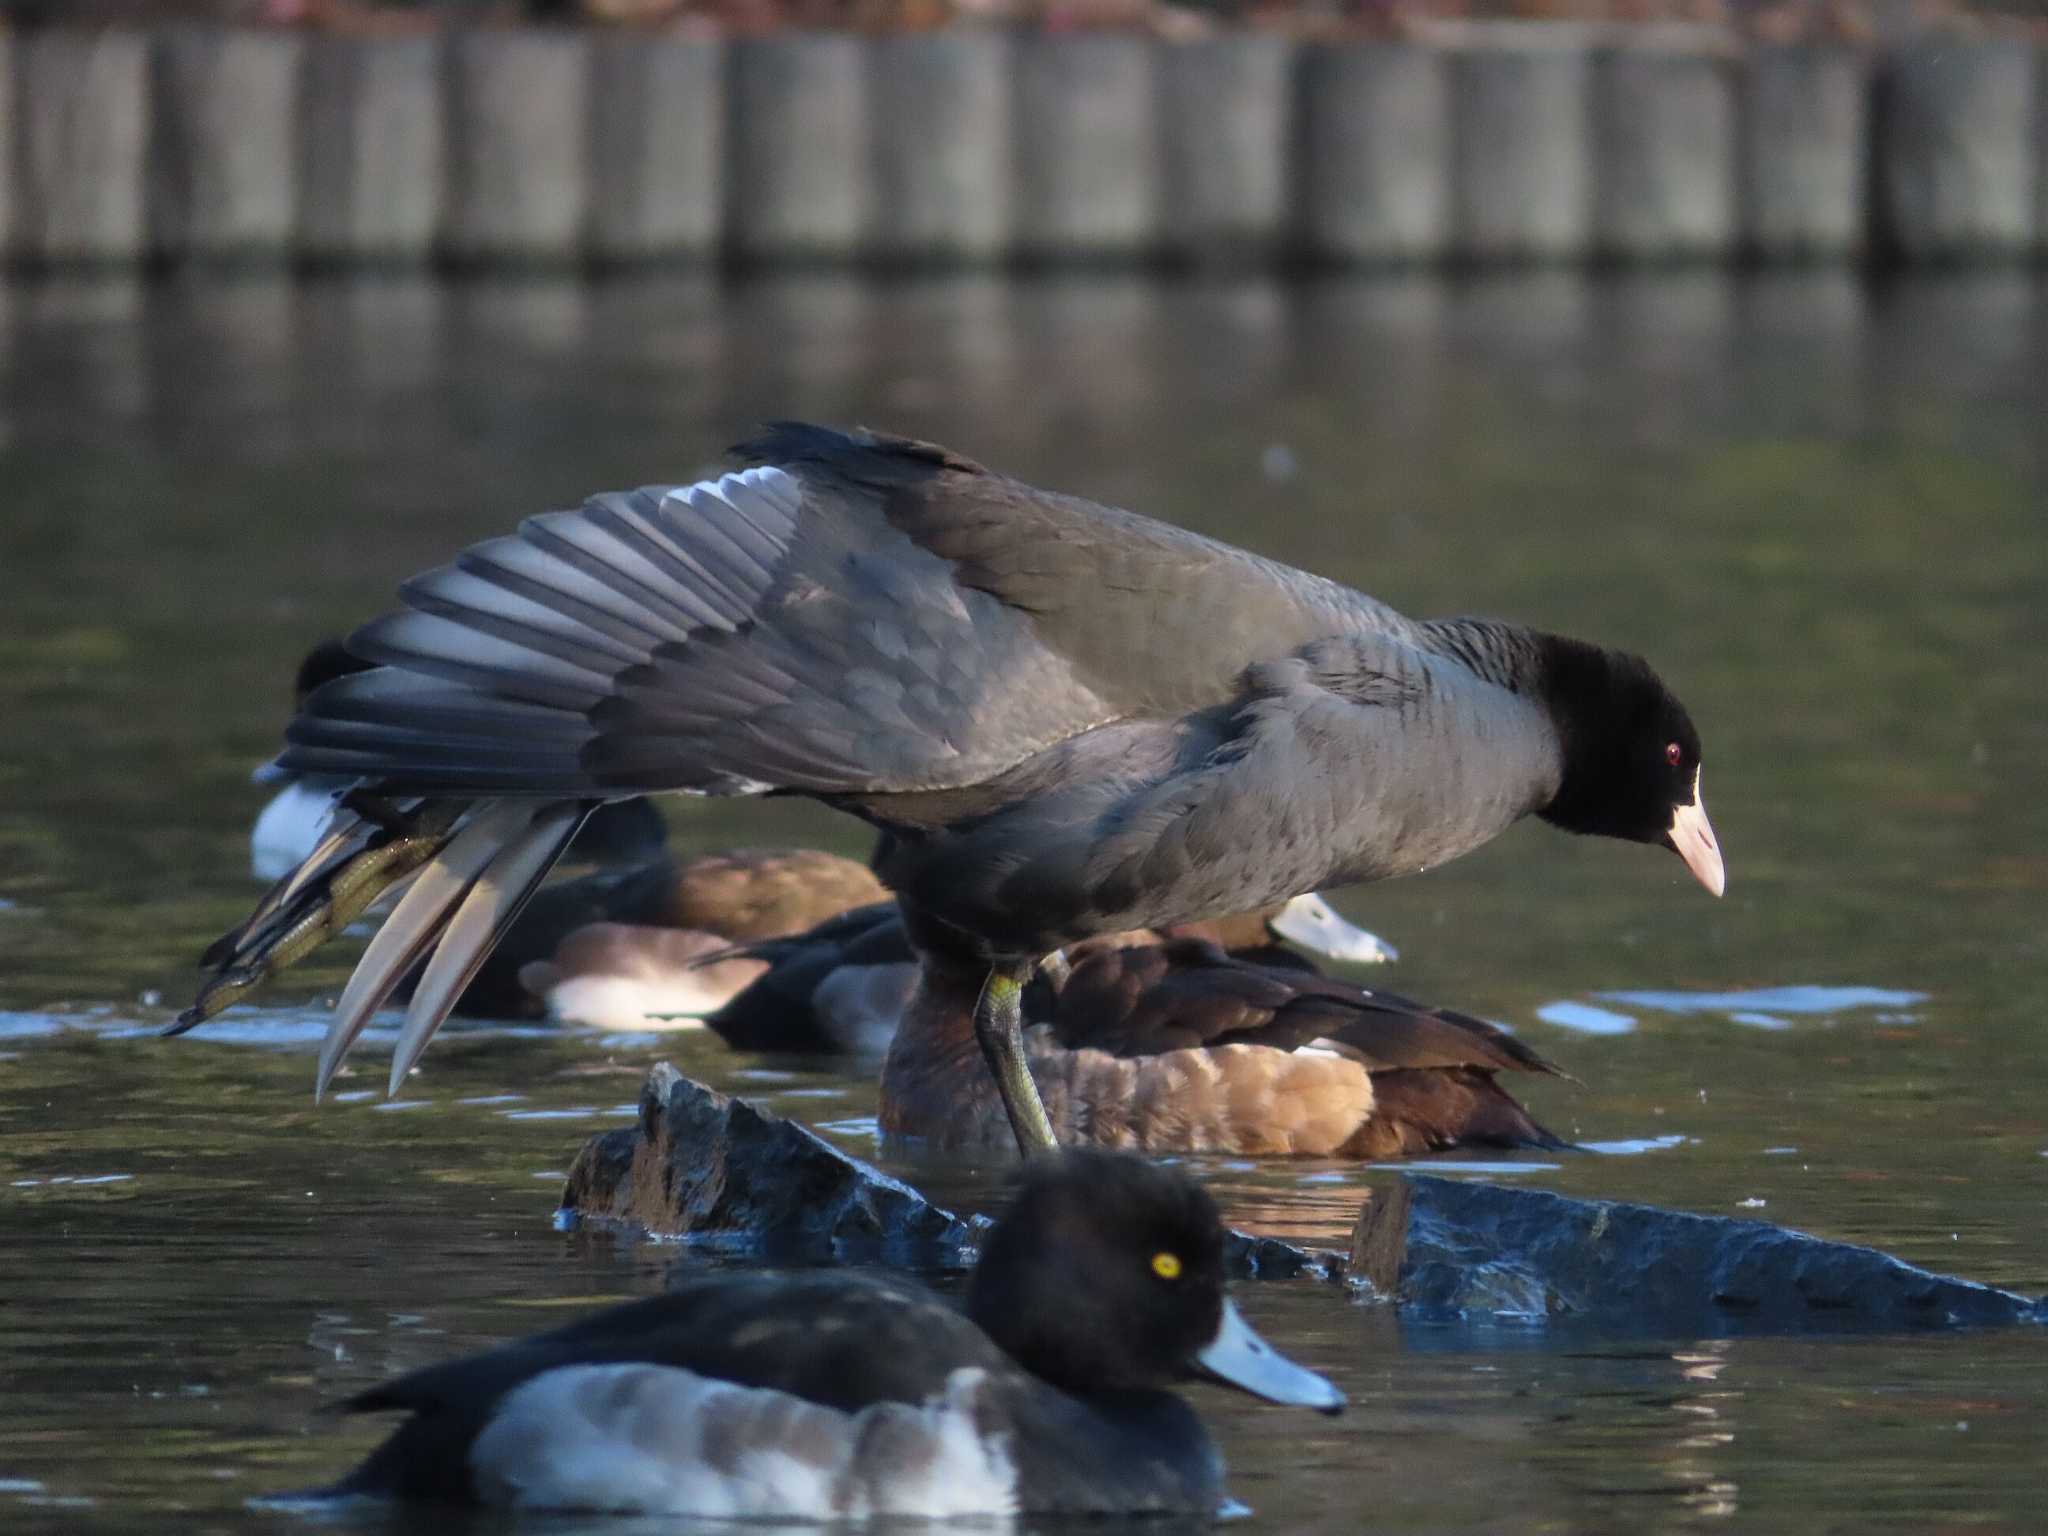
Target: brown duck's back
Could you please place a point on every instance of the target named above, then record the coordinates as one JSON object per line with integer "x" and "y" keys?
{"x": 1299, "y": 1100}
{"x": 1233, "y": 932}
{"x": 1234, "y": 1098}
{"x": 767, "y": 893}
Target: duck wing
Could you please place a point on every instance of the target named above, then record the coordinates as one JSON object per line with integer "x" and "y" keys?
{"x": 867, "y": 934}
{"x": 1431, "y": 1070}
{"x": 779, "y": 1010}
{"x": 838, "y": 1340}
{"x": 842, "y": 1340}
{"x": 1148, "y": 999}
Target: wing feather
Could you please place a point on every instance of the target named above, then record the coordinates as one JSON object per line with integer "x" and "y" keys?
{"x": 493, "y": 900}
{"x": 411, "y": 929}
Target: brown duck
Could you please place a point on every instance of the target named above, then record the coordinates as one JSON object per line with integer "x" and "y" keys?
{"x": 839, "y": 988}
{"x": 618, "y": 949}
{"x": 1182, "y": 1047}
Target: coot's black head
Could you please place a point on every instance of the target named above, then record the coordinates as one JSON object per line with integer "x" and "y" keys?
{"x": 1106, "y": 1274}
{"x": 1631, "y": 755}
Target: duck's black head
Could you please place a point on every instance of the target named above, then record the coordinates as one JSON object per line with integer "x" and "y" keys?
{"x": 1631, "y": 755}
{"x": 323, "y": 664}
{"x": 1106, "y": 1274}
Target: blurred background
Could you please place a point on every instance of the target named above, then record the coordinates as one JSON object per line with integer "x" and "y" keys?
{"x": 1713, "y": 331}
{"x": 1855, "y": 18}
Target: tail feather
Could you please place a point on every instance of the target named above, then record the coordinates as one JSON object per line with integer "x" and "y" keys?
{"x": 340, "y": 843}
{"x": 1420, "y": 1110}
{"x": 493, "y": 900}
{"x": 412, "y": 929}
{"x": 349, "y": 871}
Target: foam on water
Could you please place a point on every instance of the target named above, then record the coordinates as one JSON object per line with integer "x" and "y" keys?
{"x": 1585, "y": 1018}
{"x": 1634, "y": 1146}
{"x": 1799, "y": 999}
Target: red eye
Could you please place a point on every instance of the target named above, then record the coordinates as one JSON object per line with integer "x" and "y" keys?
{"x": 1674, "y": 754}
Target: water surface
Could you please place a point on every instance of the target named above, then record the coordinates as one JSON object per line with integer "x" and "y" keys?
{"x": 1818, "y": 507}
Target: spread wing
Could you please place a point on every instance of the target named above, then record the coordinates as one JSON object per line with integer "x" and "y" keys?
{"x": 854, "y": 614}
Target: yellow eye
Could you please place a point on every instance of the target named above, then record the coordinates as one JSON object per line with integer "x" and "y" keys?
{"x": 1166, "y": 1265}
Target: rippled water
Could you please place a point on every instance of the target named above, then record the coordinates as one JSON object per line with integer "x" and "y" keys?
{"x": 1819, "y": 507}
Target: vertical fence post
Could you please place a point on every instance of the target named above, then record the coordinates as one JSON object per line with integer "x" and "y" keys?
{"x": 1523, "y": 183}
{"x": 371, "y": 148}
{"x": 1805, "y": 151}
{"x": 518, "y": 144}
{"x": 1087, "y": 146}
{"x": 224, "y": 173}
{"x": 657, "y": 147}
{"x": 83, "y": 155}
{"x": 1376, "y": 153}
{"x": 1227, "y": 106}
{"x": 1664, "y": 175}
{"x": 799, "y": 179}
{"x": 941, "y": 111}
{"x": 1956, "y": 141}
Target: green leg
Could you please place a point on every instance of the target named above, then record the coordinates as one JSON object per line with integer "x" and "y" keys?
{"x": 999, "y": 1026}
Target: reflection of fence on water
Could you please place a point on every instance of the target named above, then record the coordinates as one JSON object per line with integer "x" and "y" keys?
{"x": 1506, "y": 142}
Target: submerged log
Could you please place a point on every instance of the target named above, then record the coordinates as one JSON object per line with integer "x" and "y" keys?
{"x": 1448, "y": 1248}
{"x": 715, "y": 1170}
{"x": 712, "y": 1168}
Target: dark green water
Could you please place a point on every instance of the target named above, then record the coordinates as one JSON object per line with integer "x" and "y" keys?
{"x": 1822, "y": 509}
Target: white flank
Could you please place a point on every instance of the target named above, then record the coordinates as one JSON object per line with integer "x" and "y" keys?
{"x": 627, "y": 976}
{"x": 288, "y": 829}
{"x": 655, "y": 1440}
{"x": 628, "y": 1003}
